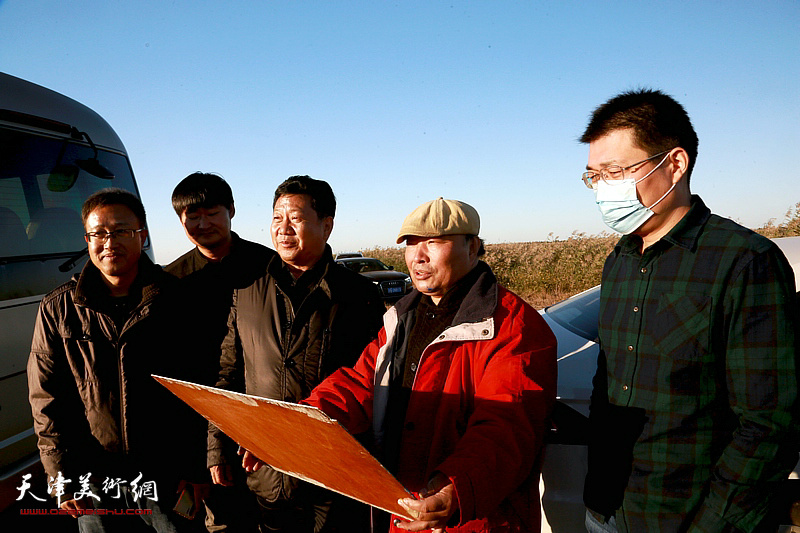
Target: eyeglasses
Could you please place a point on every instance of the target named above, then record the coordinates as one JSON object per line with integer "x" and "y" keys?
{"x": 103, "y": 236}
{"x": 612, "y": 172}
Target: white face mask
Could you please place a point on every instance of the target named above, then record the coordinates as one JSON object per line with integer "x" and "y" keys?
{"x": 620, "y": 207}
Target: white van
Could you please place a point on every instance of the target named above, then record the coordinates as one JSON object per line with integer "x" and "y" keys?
{"x": 54, "y": 153}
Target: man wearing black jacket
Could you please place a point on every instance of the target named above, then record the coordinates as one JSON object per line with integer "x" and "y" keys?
{"x": 219, "y": 262}
{"x": 292, "y": 327}
{"x": 110, "y": 437}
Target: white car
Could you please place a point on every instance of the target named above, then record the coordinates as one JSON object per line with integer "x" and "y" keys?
{"x": 574, "y": 323}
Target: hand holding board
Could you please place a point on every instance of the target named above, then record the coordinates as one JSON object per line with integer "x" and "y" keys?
{"x": 297, "y": 440}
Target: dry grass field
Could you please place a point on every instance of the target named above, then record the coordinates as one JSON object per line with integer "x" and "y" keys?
{"x": 546, "y": 272}
{"x": 541, "y": 272}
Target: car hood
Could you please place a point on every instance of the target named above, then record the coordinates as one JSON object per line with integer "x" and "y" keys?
{"x": 384, "y": 275}
{"x": 577, "y": 364}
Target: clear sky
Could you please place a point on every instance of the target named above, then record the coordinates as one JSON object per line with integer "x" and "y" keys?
{"x": 397, "y": 103}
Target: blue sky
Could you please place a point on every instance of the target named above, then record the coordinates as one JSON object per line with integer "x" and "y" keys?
{"x": 397, "y": 103}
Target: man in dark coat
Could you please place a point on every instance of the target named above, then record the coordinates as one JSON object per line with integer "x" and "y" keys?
{"x": 293, "y": 326}
{"x": 110, "y": 437}
{"x": 219, "y": 262}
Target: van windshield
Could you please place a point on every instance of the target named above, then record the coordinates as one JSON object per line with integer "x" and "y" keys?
{"x": 42, "y": 189}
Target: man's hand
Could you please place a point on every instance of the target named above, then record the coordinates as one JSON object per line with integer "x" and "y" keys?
{"x": 434, "y": 510}
{"x": 221, "y": 475}
{"x": 72, "y": 506}
{"x": 250, "y": 462}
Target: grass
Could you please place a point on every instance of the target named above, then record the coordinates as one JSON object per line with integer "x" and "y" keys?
{"x": 540, "y": 272}
{"x": 544, "y": 273}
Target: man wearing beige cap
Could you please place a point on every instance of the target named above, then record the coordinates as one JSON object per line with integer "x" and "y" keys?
{"x": 457, "y": 387}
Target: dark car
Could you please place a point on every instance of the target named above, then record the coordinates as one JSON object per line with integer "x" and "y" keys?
{"x": 348, "y": 255}
{"x": 392, "y": 284}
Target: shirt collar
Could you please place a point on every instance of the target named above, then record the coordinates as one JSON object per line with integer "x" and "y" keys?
{"x": 685, "y": 233}
{"x": 452, "y": 299}
{"x": 201, "y": 260}
{"x": 310, "y": 278}
{"x": 91, "y": 290}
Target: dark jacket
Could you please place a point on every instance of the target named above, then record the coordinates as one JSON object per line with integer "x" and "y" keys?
{"x": 247, "y": 261}
{"x": 278, "y": 350}
{"x": 208, "y": 291}
{"x": 95, "y": 406}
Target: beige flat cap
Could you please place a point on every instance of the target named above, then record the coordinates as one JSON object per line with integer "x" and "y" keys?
{"x": 440, "y": 217}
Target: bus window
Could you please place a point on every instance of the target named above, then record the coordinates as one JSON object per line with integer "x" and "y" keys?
{"x": 42, "y": 189}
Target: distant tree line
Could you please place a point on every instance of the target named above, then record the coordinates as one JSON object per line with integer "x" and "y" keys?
{"x": 546, "y": 272}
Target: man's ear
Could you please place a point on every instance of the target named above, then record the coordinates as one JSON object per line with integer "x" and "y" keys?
{"x": 679, "y": 158}
{"x": 231, "y": 211}
{"x": 327, "y": 227}
{"x": 474, "y": 246}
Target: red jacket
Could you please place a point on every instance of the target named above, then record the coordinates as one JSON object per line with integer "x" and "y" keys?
{"x": 479, "y": 406}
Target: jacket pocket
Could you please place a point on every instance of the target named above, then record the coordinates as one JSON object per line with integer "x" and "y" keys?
{"x": 80, "y": 349}
{"x": 272, "y": 485}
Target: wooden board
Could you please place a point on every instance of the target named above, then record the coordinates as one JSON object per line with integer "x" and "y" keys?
{"x": 298, "y": 440}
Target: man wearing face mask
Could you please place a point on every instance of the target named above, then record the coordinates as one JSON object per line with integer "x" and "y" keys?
{"x": 693, "y": 413}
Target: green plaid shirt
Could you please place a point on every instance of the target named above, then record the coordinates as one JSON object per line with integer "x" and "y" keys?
{"x": 698, "y": 336}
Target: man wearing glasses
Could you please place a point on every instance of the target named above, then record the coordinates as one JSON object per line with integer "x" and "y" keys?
{"x": 693, "y": 413}
{"x": 109, "y": 438}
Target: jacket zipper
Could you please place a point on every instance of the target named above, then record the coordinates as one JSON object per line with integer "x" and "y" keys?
{"x": 286, "y": 336}
{"x": 285, "y": 350}
{"x": 123, "y": 426}
{"x": 323, "y": 349}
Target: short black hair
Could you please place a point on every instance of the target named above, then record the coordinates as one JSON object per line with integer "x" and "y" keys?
{"x": 323, "y": 201}
{"x": 114, "y": 196}
{"x": 658, "y": 122}
{"x": 201, "y": 190}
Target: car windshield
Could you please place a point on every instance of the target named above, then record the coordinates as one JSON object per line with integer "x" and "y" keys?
{"x": 578, "y": 313}
{"x": 366, "y": 265}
